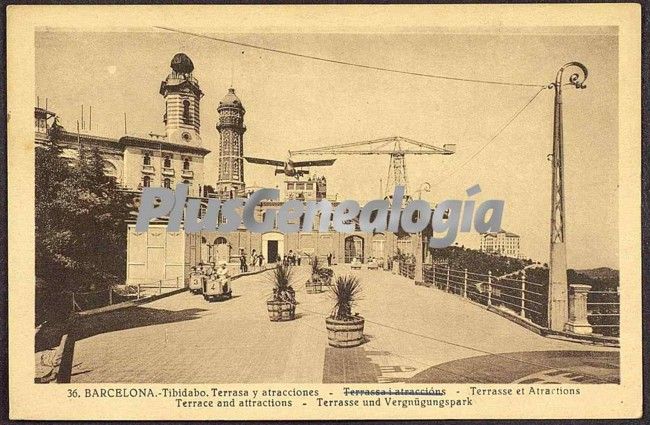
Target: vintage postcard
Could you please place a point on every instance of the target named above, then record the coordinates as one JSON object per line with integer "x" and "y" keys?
{"x": 324, "y": 212}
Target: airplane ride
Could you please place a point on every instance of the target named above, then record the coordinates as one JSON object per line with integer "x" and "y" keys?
{"x": 291, "y": 168}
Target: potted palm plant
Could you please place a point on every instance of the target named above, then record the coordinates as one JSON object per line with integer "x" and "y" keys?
{"x": 345, "y": 329}
{"x": 282, "y": 304}
{"x": 315, "y": 282}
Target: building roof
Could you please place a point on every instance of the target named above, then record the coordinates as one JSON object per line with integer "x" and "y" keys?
{"x": 43, "y": 113}
{"x": 509, "y": 234}
{"x": 231, "y": 100}
{"x": 157, "y": 143}
{"x": 150, "y": 143}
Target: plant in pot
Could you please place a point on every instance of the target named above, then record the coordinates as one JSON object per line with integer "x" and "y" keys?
{"x": 282, "y": 304}
{"x": 345, "y": 329}
{"x": 314, "y": 283}
{"x": 326, "y": 274}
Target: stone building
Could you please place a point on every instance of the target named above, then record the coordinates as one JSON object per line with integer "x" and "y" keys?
{"x": 156, "y": 160}
{"x": 178, "y": 156}
{"x": 501, "y": 243}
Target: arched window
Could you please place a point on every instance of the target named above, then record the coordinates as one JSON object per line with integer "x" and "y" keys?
{"x": 186, "y": 111}
{"x": 186, "y": 164}
{"x": 146, "y": 181}
{"x": 167, "y": 183}
{"x": 146, "y": 159}
{"x": 167, "y": 162}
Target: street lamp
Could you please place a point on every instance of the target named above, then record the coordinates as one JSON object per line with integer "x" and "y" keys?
{"x": 419, "y": 255}
{"x": 558, "y": 313}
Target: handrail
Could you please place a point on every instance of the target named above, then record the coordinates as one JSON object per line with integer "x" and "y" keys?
{"x": 527, "y": 299}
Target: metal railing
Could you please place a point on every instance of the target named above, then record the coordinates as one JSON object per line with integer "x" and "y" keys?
{"x": 603, "y": 312}
{"x": 82, "y": 301}
{"x": 515, "y": 295}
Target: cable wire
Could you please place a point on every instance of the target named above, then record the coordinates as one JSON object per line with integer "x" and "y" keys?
{"x": 492, "y": 139}
{"x": 353, "y": 64}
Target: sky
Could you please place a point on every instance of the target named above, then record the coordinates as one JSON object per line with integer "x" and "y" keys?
{"x": 295, "y": 103}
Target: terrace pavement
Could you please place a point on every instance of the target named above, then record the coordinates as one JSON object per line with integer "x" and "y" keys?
{"x": 414, "y": 334}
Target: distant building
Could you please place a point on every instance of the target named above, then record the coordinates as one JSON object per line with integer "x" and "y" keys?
{"x": 312, "y": 188}
{"x": 501, "y": 243}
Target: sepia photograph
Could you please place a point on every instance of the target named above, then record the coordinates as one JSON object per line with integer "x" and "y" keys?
{"x": 225, "y": 118}
{"x": 391, "y": 210}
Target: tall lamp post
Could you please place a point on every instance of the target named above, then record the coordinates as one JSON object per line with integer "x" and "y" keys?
{"x": 419, "y": 253}
{"x": 557, "y": 286}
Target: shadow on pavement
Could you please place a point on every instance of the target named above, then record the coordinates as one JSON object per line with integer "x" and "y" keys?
{"x": 534, "y": 367}
{"x": 349, "y": 365}
{"x": 128, "y": 318}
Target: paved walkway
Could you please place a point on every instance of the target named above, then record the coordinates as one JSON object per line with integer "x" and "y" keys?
{"x": 415, "y": 334}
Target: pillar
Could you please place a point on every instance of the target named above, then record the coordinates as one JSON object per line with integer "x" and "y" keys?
{"x": 578, "y": 323}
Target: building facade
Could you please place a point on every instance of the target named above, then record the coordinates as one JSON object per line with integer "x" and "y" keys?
{"x": 157, "y": 160}
{"x": 501, "y": 243}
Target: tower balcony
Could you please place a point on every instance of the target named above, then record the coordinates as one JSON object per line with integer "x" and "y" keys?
{"x": 148, "y": 169}
{"x": 187, "y": 174}
{"x": 169, "y": 172}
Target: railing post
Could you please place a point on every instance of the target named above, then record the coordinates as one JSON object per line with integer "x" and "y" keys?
{"x": 447, "y": 278}
{"x": 160, "y": 287}
{"x": 434, "y": 275}
{"x": 178, "y": 281}
{"x": 578, "y": 322}
{"x": 465, "y": 285}
{"x": 73, "y": 303}
{"x": 522, "y": 313}
{"x": 110, "y": 296}
{"x": 489, "y": 301}
{"x": 138, "y": 292}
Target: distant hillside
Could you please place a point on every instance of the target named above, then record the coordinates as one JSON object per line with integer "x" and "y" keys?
{"x": 600, "y": 273}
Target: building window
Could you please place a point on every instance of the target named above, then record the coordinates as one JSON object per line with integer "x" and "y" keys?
{"x": 186, "y": 111}
{"x": 146, "y": 181}
{"x": 186, "y": 164}
{"x": 146, "y": 159}
{"x": 167, "y": 183}
{"x": 167, "y": 162}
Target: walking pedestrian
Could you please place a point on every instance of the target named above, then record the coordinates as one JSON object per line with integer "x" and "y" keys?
{"x": 253, "y": 258}
{"x": 242, "y": 262}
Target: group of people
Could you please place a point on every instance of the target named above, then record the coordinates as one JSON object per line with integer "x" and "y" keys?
{"x": 211, "y": 271}
{"x": 290, "y": 259}
{"x": 256, "y": 260}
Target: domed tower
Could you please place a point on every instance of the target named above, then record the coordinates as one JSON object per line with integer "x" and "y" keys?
{"x": 182, "y": 98}
{"x": 231, "y": 145}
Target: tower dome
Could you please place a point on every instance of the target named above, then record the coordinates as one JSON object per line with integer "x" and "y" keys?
{"x": 230, "y": 100}
{"x": 182, "y": 64}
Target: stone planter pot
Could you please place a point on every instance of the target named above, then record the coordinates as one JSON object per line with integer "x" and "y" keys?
{"x": 281, "y": 311}
{"x": 344, "y": 333}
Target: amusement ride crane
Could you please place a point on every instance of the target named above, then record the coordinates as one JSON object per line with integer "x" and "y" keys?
{"x": 396, "y": 147}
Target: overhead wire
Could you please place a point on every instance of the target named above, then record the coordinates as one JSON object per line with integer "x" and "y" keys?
{"x": 492, "y": 139}
{"x": 353, "y": 64}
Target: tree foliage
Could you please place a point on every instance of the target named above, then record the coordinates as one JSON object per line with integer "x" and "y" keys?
{"x": 80, "y": 225}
